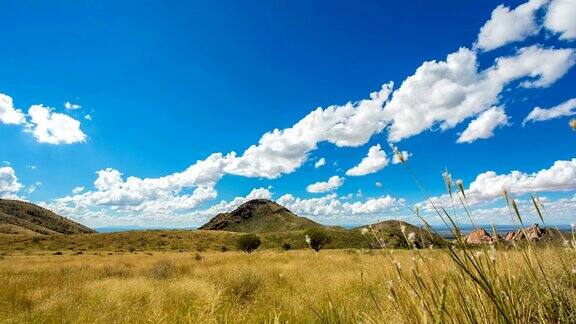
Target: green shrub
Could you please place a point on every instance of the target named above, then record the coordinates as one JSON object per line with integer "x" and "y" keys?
{"x": 317, "y": 238}
{"x": 248, "y": 242}
{"x": 286, "y": 247}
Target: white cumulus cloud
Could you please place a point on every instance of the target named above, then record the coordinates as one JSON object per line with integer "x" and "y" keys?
{"x": 283, "y": 151}
{"x": 77, "y": 190}
{"x": 567, "y": 108}
{"x": 331, "y": 205}
{"x": 560, "y": 18}
{"x": 332, "y": 183}
{"x": 487, "y": 186}
{"x": 375, "y": 161}
{"x": 71, "y": 106}
{"x": 8, "y": 114}
{"x": 54, "y": 128}
{"x": 507, "y": 26}
{"x": 446, "y": 93}
{"x": 152, "y": 195}
{"x": 9, "y": 183}
{"x": 320, "y": 163}
{"x": 484, "y": 125}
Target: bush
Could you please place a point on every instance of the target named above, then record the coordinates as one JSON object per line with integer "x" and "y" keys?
{"x": 162, "y": 270}
{"x": 248, "y": 242}
{"x": 224, "y": 248}
{"x": 317, "y": 238}
{"x": 244, "y": 286}
{"x": 286, "y": 247}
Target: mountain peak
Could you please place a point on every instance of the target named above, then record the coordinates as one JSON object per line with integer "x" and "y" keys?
{"x": 259, "y": 215}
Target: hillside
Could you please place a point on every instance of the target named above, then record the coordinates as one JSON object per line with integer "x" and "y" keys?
{"x": 394, "y": 233}
{"x": 19, "y": 217}
{"x": 172, "y": 240}
{"x": 259, "y": 215}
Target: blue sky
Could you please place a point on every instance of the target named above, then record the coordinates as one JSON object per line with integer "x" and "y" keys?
{"x": 154, "y": 87}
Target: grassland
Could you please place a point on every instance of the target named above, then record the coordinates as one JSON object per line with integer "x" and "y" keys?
{"x": 294, "y": 286}
{"x": 169, "y": 240}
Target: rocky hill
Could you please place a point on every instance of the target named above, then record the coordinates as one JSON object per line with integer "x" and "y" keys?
{"x": 19, "y": 217}
{"x": 533, "y": 233}
{"x": 259, "y": 215}
{"x": 393, "y": 233}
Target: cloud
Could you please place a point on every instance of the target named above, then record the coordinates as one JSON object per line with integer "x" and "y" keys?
{"x": 54, "y": 128}
{"x": 331, "y": 205}
{"x": 439, "y": 94}
{"x": 567, "y": 108}
{"x": 283, "y": 151}
{"x": 333, "y": 183}
{"x": 446, "y": 93}
{"x": 543, "y": 65}
{"x": 320, "y": 163}
{"x": 488, "y": 186}
{"x": 375, "y": 161}
{"x": 484, "y": 125}
{"x": 506, "y": 26}
{"x": 34, "y": 187}
{"x": 559, "y": 211}
{"x": 560, "y": 18}
{"x": 152, "y": 195}
{"x": 44, "y": 124}
{"x": 31, "y": 167}
{"x": 175, "y": 203}
{"x": 71, "y": 106}
{"x": 77, "y": 190}
{"x": 88, "y": 117}
{"x": 9, "y": 183}
{"x": 8, "y": 114}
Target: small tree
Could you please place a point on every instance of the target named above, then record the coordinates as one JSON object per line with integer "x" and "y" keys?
{"x": 248, "y": 242}
{"x": 317, "y": 238}
{"x": 286, "y": 247}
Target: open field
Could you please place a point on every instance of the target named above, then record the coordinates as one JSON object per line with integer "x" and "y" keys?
{"x": 169, "y": 240}
{"x": 293, "y": 286}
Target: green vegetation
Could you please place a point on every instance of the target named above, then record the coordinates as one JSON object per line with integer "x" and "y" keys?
{"x": 286, "y": 247}
{"x": 317, "y": 238}
{"x": 248, "y": 242}
{"x": 171, "y": 240}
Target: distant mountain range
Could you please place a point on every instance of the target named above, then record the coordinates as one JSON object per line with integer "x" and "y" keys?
{"x": 275, "y": 224}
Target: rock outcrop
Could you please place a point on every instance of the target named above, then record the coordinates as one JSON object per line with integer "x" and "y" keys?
{"x": 533, "y": 233}
{"x": 480, "y": 236}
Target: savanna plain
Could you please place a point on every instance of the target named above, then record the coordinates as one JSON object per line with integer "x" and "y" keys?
{"x": 486, "y": 284}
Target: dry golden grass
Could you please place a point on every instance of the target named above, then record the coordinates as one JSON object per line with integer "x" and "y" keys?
{"x": 268, "y": 286}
